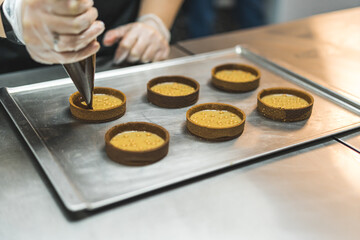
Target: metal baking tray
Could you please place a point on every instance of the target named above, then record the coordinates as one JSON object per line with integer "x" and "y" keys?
{"x": 72, "y": 154}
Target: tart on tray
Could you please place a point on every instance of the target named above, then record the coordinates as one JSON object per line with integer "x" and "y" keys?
{"x": 108, "y": 104}
{"x": 137, "y": 143}
{"x": 234, "y": 77}
{"x": 173, "y": 91}
{"x": 215, "y": 121}
{"x": 285, "y": 104}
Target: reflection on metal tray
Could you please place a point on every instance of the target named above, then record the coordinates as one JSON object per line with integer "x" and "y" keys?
{"x": 72, "y": 153}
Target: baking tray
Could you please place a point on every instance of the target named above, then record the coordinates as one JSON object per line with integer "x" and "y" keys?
{"x": 72, "y": 154}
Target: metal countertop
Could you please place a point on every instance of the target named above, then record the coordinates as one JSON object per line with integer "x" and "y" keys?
{"x": 352, "y": 140}
{"x": 311, "y": 193}
{"x": 333, "y": 28}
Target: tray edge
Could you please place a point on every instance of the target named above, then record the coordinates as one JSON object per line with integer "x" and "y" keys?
{"x": 73, "y": 200}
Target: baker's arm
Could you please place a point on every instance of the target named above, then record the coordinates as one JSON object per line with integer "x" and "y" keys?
{"x": 2, "y": 32}
{"x": 167, "y": 12}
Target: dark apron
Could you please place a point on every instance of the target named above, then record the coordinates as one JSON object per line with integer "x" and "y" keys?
{"x": 112, "y": 12}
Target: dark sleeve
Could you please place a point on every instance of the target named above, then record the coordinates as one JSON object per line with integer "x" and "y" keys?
{"x": 14, "y": 57}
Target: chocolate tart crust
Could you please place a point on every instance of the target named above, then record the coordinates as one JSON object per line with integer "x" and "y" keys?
{"x": 236, "y": 86}
{"x": 97, "y": 116}
{"x": 215, "y": 134}
{"x": 173, "y": 101}
{"x": 283, "y": 114}
{"x": 137, "y": 158}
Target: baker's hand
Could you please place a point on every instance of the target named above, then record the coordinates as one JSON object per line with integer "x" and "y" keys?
{"x": 57, "y": 31}
{"x": 146, "y": 40}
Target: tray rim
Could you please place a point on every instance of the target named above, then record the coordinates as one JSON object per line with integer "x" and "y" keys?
{"x": 68, "y": 193}
{"x": 73, "y": 201}
{"x": 100, "y": 76}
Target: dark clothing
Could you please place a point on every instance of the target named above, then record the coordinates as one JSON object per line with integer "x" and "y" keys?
{"x": 112, "y": 12}
{"x": 202, "y": 19}
{"x": 250, "y": 13}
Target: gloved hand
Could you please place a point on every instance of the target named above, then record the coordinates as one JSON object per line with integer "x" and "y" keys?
{"x": 61, "y": 31}
{"x": 145, "y": 40}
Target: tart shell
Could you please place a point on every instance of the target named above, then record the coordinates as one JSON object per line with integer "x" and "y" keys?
{"x": 215, "y": 134}
{"x": 90, "y": 115}
{"x": 283, "y": 114}
{"x": 236, "y": 86}
{"x": 137, "y": 158}
{"x": 173, "y": 101}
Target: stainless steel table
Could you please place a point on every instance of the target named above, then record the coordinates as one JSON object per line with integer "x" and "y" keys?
{"x": 309, "y": 193}
{"x": 351, "y": 140}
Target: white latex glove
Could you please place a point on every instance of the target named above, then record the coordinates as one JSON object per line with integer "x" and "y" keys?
{"x": 55, "y": 31}
{"x": 146, "y": 40}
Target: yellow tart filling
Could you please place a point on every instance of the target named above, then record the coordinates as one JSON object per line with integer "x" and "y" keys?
{"x": 137, "y": 141}
{"x": 173, "y": 89}
{"x": 285, "y": 101}
{"x": 104, "y": 101}
{"x": 215, "y": 118}
{"x": 235, "y": 76}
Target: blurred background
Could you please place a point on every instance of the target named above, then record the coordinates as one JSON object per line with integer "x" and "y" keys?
{"x": 200, "y": 18}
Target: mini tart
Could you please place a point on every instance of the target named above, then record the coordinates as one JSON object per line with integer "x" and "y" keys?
{"x": 79, "y": 111}
{"x": 137, "y": 158}
{"x": 215, "y": 134}
{"x": 165, "y": 101}
{"x": 236, "y": 86}
{"x": 282, "y": 113}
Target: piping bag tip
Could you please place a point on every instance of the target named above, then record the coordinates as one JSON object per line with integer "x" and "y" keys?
{"x": 82, "y": 73}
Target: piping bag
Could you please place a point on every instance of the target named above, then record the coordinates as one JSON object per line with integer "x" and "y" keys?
{"x": 82, "y": 73}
